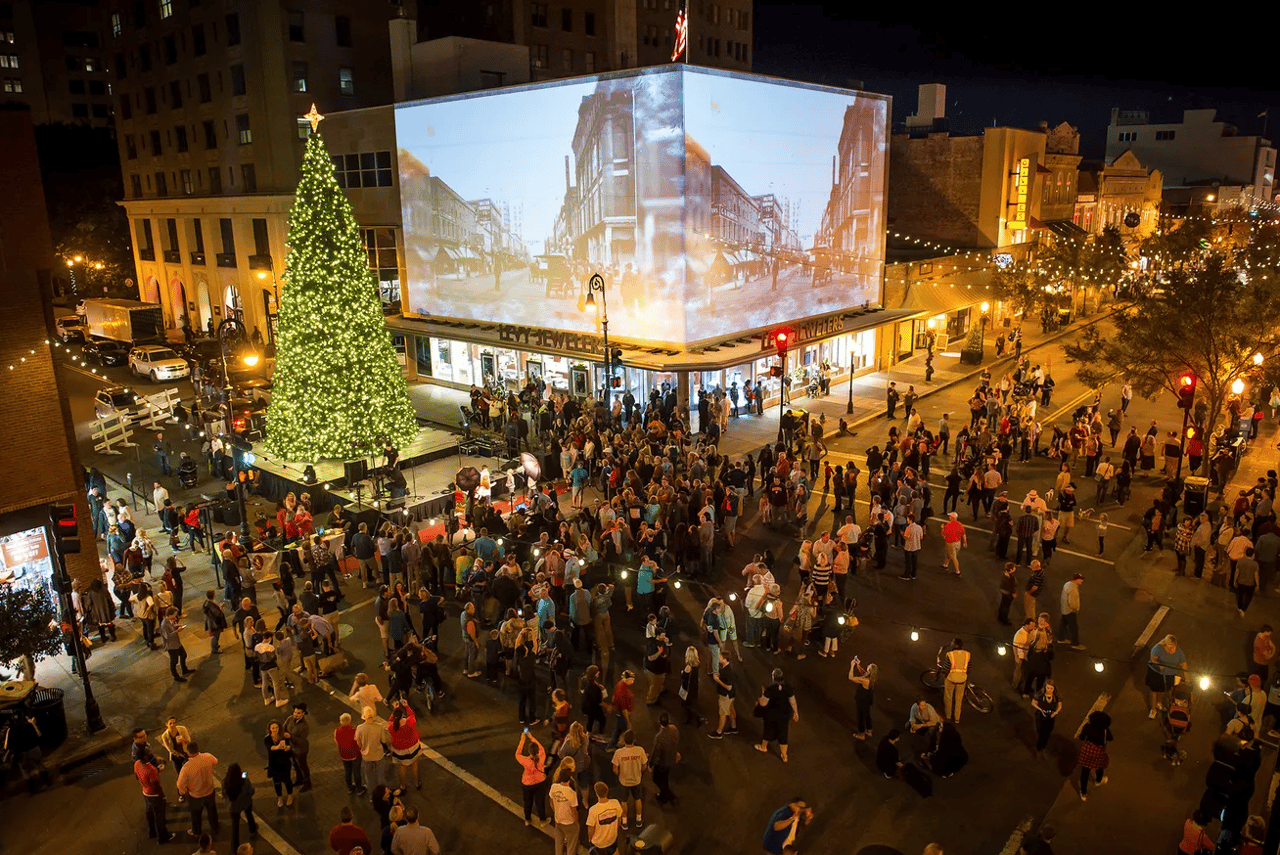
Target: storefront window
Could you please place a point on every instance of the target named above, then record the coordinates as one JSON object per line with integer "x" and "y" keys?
{"x": 556, "y": 372}
{"x": 422, "y": 353}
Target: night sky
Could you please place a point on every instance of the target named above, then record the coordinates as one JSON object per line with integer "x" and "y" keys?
{"x": 1018, "y": 65}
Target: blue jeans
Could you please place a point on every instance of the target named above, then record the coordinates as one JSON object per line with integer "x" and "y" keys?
{"x": 619, "y": 728}
{"x": 1069, "y": 628}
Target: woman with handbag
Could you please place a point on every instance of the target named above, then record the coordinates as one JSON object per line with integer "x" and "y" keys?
{"x": 1194, "y": 839}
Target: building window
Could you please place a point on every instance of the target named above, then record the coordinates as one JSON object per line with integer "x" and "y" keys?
{"x": 8, "y": 60}
{"x": 248, "y": 178}
{"x": 1165, "y": 135}
{"x": 139, "y": 14}
{"x": 233, "y": 29}
{"x": 589, "y": 23}
{"x": 299, "y": 77}
{"x": 130, "y": 147}
{"x": 80, "y": 111}
{"x": 135, "y": 186}
{"x": 202, "y": 85}
{"x": 166, "y": 9}
{"x": 99, "y": 111}
{"x": 155, "y": 143}
{"x": 589, "y": 61}
{"x": 187, "y": 187}
{"x": 90, "y": 65}
{"x": 215, "y": 179}
{"x": 346, "y": 81}
{"x": 121, "y": 71}
{"x": 242, "y": 128}
{"x": 117, "y": 27}
{"x": 538, "y": 54}
{"x": 228, "y": 238}
{"x": 13, "y": 85}
{"x": 144, "y": 58}
{"x": 566, "y": 59}
{"x": 126, "y": 108}
{"x": 162, "y": 188}
{"x": 304, "y": 128}
{"x": 237, "y": 80}
{"x": 6, "y": 37}
{"x": 175, "y": 94}
{"x": 180, "y": 137}
{"x": 380, "y": 244}
{"x": 368, "y": 169}
{"x": 97, "y": 87}
{"x": 538, "y": 14}
{"x": 197, "y": 40}
{"x": 170, "y": 50}
{"x": 197, "y": 229}
{"x": 297, "y": 33}
{"x": 342, "y": 31}
{"x": 149, "y": 96}
{"x": 146, "y": 242}
{"x": 566, "y": 20}
{"x": 210, "y": 135}
{"x": 75, "y": 87}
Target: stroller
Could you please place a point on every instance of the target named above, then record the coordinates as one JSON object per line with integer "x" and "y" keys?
{"x": 187, "y": 471}
{"x": 1176, "y": 721}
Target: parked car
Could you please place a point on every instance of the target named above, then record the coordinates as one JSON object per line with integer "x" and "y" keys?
{"x": 69, "y": 328}
{"x": 106, "y": 352}
{"x": 256, "y": 390}
{"x": 158, "y": 362}
{"x": 201, "y": 351}
{"x": 114, "y": 399}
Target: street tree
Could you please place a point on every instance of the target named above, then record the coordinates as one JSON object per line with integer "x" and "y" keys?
{"x": 339, "y": 390}
{"x": 29, "y": 630}
{"x": 1207, "y": 319}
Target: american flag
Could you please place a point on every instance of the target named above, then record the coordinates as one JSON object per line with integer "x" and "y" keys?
{"x": 682, "y": 35}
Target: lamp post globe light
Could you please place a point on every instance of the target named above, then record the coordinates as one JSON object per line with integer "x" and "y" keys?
{"x": 986, "y": 308}
{"x": 596, "y": 284}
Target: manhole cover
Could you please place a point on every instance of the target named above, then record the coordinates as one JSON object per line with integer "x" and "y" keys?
{"x": 344, "y": 629}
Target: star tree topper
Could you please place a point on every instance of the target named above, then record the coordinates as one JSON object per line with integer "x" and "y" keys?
{"x": 313, "y": 117}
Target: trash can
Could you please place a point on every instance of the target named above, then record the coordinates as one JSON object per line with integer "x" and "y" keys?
{"x": 1195, "y": 495}
{"x": 50, "y": 715}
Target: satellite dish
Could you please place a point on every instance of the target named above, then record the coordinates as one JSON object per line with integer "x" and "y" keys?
{"x": 532, "y": 467}
{"x": 1132, "y": 219}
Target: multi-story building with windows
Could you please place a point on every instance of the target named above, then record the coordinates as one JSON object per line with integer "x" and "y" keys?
{"x": 573, "y": 37}
{"x": 210, "y": 98}
{"x": 53, "y": 59}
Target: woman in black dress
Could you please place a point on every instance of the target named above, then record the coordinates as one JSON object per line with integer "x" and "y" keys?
{"x": 279, "y": 762}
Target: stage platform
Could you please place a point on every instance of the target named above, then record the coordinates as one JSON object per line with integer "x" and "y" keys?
{"x": 431, "y": 443}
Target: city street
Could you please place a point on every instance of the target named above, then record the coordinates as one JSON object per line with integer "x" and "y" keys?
{"x": 727, "y": 789}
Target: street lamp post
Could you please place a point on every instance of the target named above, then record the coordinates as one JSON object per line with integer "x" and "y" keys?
{"x": 594, "y": 284}
{"x": 228, "y": 329}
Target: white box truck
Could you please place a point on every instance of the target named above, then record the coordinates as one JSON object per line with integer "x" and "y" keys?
{"x": 131, "y": 322}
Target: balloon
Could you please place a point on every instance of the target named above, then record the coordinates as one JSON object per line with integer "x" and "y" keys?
{"x": 467, "y": 479}
{"x": 532, "y": 467}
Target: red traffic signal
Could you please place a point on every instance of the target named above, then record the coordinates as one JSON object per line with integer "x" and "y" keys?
{"x": 781, "y": 339}
{"x": 1191, "y": 431}
{"x": 66, "y": 529}
{"x": 1186, "y": 391}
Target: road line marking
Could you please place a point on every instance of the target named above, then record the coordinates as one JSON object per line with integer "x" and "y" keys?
{"x": 269, "y": 834}
{"x": 1150, "y": 630}
{"x": 1099, "y": 704}
{"x": 1015, "y": 840}
{"x": 1055, "y": 551}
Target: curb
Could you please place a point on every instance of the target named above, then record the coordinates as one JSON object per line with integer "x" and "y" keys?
{"x": 880, "y": 412}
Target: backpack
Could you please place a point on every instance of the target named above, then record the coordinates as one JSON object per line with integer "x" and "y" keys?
{"x": 1179, "y": 718}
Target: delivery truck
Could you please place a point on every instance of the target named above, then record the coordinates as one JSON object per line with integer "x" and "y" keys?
{"x": 128, "y": 321}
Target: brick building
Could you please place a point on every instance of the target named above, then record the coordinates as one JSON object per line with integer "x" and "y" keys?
{"x": 37, "y": 466}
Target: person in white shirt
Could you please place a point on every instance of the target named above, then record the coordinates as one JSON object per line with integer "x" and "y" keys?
{"x": 603, "y": 820}
{"x": 850, "y": 532}
{"x": 563, "y": 796}
{"x": 158, "y": 495}
{"x": 1022, "y": 640}
{"x": 364, "y": 692}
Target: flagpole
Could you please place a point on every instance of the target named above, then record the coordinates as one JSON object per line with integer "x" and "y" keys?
{"x": 686, "y": 36}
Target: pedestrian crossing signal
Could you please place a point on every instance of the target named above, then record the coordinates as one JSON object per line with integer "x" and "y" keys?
{"x": 66, "y": 529}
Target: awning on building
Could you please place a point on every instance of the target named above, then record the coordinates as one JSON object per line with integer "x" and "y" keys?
{"x": 941, "y": 299}
{"x": 1061, "y": 228}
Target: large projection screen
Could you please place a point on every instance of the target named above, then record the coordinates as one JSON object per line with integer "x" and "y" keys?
{"x": 711, "y": 203}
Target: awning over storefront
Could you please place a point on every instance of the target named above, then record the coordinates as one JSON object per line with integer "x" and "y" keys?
{"x": 1061, "y": 228}
{"x": 940, "y": 299}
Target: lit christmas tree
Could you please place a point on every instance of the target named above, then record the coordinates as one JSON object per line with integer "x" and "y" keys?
{"x": 339, "y": 389}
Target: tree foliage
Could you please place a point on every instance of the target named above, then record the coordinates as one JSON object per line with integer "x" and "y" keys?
{"x": 1206, "y": 318}
{"x": 28, "y": 625}
{"x": 339, "y": 389}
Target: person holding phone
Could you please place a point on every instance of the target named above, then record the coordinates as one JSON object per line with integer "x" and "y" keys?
{"x": 532, "y": 759}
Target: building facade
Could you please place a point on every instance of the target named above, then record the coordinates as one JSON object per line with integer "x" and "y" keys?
{"x": 53, "y": 59}
{"x": 1198, "y": 149}
{"x": 209, "y": 106}
{"x": 1123, "y": 194}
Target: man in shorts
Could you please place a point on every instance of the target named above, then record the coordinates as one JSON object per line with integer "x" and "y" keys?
{"x": 602, "y": 822}
{"x": 723, "y": 678}
{"x": 628, "y": 764}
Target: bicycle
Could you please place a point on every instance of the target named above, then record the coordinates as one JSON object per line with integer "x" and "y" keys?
{"x": 974, "y": 695}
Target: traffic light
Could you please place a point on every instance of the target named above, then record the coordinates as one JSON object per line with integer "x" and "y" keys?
{"x": 1186, "y": 391}
{"x": 781, "y": 339}
{"x": 615, "y": 358}
{"x": 1191, "y": 432}
{"x": 775, "y": 371}
{"x": 66, "y": 529}
{"x": 615, "y": 382}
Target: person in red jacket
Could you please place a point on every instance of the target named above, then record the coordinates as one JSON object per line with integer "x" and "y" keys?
{"x": 346, "y": 835}
{"x": 344, "y": 736}
{"x": 406, "y": 743}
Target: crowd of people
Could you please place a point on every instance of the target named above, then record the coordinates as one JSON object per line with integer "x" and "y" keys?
{"x": 538, "y": 588}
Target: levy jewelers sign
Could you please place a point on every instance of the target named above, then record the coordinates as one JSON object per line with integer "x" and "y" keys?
{"x": 553, "y": 340}
{"x": 809, "y": 331}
